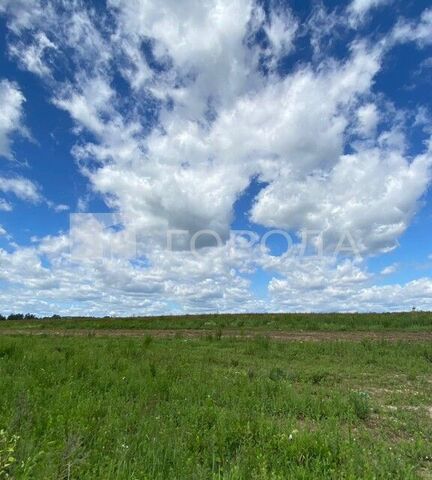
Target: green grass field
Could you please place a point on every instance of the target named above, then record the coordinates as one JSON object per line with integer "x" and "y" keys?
{"x": 142, "y": 408}
{"x": 404, "y": 321}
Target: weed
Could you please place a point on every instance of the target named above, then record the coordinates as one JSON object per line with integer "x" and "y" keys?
{"x": 361, "y": 404}
{"x": 8, "y": 445}
{"x": 428, "y": 355}
{"x": 319, "y": 377}
{"x": 277, "y": 374}
{"x": 232, "y": 409}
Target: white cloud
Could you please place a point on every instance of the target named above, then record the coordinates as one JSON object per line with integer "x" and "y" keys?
{"x": 368, "y": 118}
{"x": 371, "y": 194}
{"x": 40, "y": 30}
{"x": 191, "y": 173}
{"x": 358, "y": 9}
{"x": 11, "y": 115}
{"x": 164, "y": 281}
{"x": 11, "y": 122}
{"x": 21, "y": 187}
{"x": 181, "y": 282}
{"x": 179, "y": 144}
{"x": 31, "y": 56}
{"x": 61, "y": 208}
{"x": 364, "y": 299}
{"x": 21, "y": 14}
{"x": 5, "y": 206}
{"x": 281, "y": 30}
{"x": 202, "y": 40}
{"x": 389, "y": 269}
{"x": 415, "y": 31}
{"x": 322, "y": 25}
{"x": 423, "y": 119}
{"x": 89, "y": 105}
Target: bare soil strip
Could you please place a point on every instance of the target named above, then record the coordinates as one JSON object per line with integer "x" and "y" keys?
{"x": 286, "y": 336}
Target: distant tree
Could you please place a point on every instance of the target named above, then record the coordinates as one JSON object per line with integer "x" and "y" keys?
{"x": 16, "y": 316}
{"x": 2, "y": 317}
{"x": 56, "y": 317}
{"x": 29, "y": 316}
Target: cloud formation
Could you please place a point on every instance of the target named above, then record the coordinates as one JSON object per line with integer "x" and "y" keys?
{"x": 359, "y": 9}
{"x": 178, "y": 109}
{"x": 11, "y": 116}
{"x": 21, "y": 187}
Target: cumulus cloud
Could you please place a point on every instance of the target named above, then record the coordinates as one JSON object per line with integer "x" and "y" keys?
{"x": 170, "y": 281}
{"x": 226, "y": 122}
{"x": 202, "y": 110}
{"x": 188, "y": 174}
{"x": 372, "y": 195}
{"x": 163, "y": 280}
{"x": 367, "y": 299}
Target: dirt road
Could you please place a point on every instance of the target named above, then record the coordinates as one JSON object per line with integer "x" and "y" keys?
{"x": 190, "y": 333}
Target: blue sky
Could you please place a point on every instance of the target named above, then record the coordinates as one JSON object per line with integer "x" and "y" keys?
{"x": 124, "y": 122}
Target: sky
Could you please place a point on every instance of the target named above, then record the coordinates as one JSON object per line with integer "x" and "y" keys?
{"x": 167, "y": 157}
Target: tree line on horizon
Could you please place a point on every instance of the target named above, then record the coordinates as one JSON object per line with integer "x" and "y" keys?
{"x": 22, "y": 316}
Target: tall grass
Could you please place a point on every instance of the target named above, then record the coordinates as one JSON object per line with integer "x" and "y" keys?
{"x": 87, "y": 408}
{"x": 404, "y": 321}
